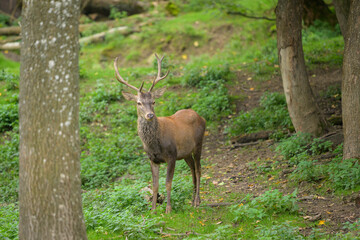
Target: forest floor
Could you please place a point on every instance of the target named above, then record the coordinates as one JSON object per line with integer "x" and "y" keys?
{"x": 233, "y": 168}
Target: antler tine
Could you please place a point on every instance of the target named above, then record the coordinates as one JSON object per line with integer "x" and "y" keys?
{"x": 121, "y": 80}
{"x": 158, "y": 77}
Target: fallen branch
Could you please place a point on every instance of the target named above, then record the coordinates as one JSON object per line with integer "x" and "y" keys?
{"x": 243, "y": 145}
{"x": 251, "y": 137}
{"x": 10, "y": 46}
{"x": 101, "y": 36}
{"x": 10, "y": 31}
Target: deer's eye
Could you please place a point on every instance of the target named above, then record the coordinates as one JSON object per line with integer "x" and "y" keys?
{"x": 139, "y": 103}
{"x": 153, "y": 103}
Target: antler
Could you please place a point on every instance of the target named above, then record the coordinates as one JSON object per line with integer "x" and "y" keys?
{"x": 121, "y": 80}
{"x": 158, "y": 77}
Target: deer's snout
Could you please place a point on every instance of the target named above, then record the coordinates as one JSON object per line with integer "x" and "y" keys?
{"x": 149, "y": 116}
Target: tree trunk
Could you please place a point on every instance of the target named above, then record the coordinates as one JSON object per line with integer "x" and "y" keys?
{"x": 304, "y": 112}
{"x": 342, "y": 8}
{"x": 49, "y": 179}
{"x": 351, "y": 84}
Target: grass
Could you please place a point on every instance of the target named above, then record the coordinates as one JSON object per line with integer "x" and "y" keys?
{"x": 114, "y": 165}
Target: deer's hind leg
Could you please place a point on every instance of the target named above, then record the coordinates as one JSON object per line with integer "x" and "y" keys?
{"x": 196, "y": 157}
{"x": 190, "y": 162}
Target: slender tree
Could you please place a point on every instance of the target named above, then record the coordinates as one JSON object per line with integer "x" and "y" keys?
{"x": 351, "y": 84}
{"x": 304, "y": 112}
{"x": 49, "y": 185}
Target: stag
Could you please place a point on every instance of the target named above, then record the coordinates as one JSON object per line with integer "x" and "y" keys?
{"x": 167, "y": 139}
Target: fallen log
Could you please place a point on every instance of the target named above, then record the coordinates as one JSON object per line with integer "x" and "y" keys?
{"x": 8, "y": 31}
{"x": 10, "y": 46}
{"x": 98, "y": 37}
{"x": 16, "y": 30}
{"x": 251, "y": 137}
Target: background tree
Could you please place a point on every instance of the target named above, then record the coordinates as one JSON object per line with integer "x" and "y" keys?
{"x": 49, "y": 185}
{"x": 350, "y": 84}
{"x": 304, "y": 112}
{"x": 342, "y": 8}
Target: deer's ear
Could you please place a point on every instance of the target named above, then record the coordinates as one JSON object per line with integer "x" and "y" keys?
{"x": 129, "y": 96}
{"x": 158, "y": 92}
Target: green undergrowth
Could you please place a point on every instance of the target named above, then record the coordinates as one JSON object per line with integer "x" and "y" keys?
{"x": 301, "y": 151}
{"x": 272, "y": 114}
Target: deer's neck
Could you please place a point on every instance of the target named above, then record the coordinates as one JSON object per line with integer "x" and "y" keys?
{"x": 149, "y": 133}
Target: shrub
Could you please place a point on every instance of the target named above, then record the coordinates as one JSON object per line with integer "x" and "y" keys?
{"x": 278, "y": 232}
{"x": 272, "y": 114}
{"x": 212, "y": 104}
{"x": 9, "y": 168}
{"x": 201, "y": 77}
{"x": 267, "y": 204}
{"x": 307, "y": 170}
{"x": 108, "y": 158}
{"x": 293, "y": 146}
{"x": 11, "y": 80}
{"x": 345, "y": 174}
{"x": 9, "y": 221}
{"x": 9, "y": 116}
{"x": 118, "y": 209}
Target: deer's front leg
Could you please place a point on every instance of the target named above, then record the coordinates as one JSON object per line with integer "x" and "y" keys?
{"x": 155, "y": 177}
{"x": 169, "y": 178}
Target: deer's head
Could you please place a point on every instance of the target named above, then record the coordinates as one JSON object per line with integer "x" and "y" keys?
{"x": 145, "y": 100}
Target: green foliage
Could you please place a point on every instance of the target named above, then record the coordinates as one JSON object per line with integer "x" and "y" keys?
{"x": 9, "y": 116}
{"x": 4, "y": 20}
{"x": 278, "y": 232}
{"x": 11, "y": 80}
{"x": 344, "y": 174}
{"x": 9, "y": 221}
{"x": 9, "y": 167}
{"x": 308, "y": 170}
{"x": 108, "y": 158}
{"x": 95, "y": 28}
{"x": 213, "y": 103}
{"x": 291, "y": 147}
{"x": 319, "y": 146}
{"x": 200, "y": 76}
{"x": 119, "y": 209}
{"x": 99, "y": 100}
{"x": 323, "y": 44}
{"x": 272, "y": 114}
{"x": 172, "y": 8}
{"x": 270, "y": 203}
{"x": 116, "y": 14}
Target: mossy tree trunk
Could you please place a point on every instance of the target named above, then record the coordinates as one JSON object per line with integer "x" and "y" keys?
{"x": 49, "y": 184}
{"x": 304, "y": 112}
{"x": 351, "y": 84}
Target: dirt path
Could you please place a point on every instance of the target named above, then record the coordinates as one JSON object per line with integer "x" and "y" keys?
{"x": 239, "y": 170}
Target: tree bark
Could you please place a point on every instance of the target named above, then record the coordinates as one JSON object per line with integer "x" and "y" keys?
{"x": 49, "y": 179}
{"x": 304, "y": 112}
{"x": 342, "y": 8}
{"x": 351, "y": 84}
